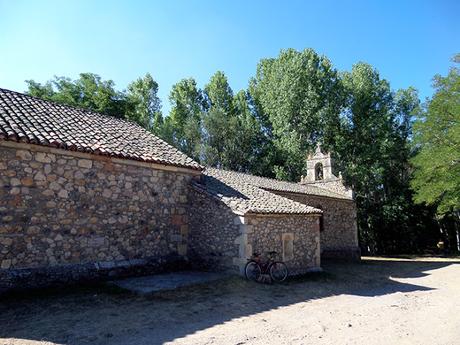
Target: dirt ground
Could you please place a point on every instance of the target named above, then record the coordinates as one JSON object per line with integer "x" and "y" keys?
{"x": 379, "y": 301}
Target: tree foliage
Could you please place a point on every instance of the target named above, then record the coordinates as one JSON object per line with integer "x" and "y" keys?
{"x": 232, "y": 134}
{"x": 374, "y": 150}
{"x": 437, "y": 139}
{"x": 89, "y": 91}
{"x": 301, "y": 95}
{"x": 295, "y": 101}
{"x": 144, "y": 105}
{"x": 188, "y": 105}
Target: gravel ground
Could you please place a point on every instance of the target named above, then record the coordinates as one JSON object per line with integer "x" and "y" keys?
{"x": 379, "y": 301}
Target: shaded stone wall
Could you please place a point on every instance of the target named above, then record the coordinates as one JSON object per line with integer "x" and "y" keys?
{"x": 213, "y": 231}
{"x": 86, "y": 213}
{"x": 266, "y": 234}
{"x": 339, "y": 237}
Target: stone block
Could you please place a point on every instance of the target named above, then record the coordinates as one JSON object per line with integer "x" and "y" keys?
{"x": 44, "y": 157}
{"x": 15, "y": 191}
{"x": 24, "y": 155}
{"x": 85, "y": 163}
{"x": 177, "y": 219}
{"x": 184, "y": 230}
{"x": 47, "y": 169}
{"x": 6, "y": 264}
{"x": 39, "y": 176}
{"x": 15, "y": 182}
{"x": 55, "y": 186}
{"x": 27, "y": 181}
{"x": 182, "y": 249}
{"x": 107, "y": 193}
{"x": 63, "y": 194}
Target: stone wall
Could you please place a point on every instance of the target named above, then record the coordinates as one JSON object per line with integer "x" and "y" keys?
{"x": 339, "y": 236}
{"x": 267, "y": 232}
{"x": 213, "y": 232}
{"x": 222, "y": 240}
{"x": 66, "y": 214}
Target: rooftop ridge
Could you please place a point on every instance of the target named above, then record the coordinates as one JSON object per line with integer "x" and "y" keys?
{"x": 323, "y": 191}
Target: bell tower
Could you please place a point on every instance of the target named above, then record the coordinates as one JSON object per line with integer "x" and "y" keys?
{"x": 319, "y": 167}
{"x": 321, "y": 172}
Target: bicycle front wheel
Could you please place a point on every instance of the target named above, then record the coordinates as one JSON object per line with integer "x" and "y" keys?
{"x": 278, "y": 271}
{"x": 252, "y": 271}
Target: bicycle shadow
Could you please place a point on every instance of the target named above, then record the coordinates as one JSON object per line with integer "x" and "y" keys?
{"x": 100, "y": 316}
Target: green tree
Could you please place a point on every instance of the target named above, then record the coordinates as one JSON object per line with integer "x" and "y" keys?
{"x": 437, "y": 138}
{"x": 250, "y": 138}
{"x": 89, "y": 91}
{"x": 220, "y": 125}
{"x": 144, "y": 105}
{"x": 373, "y": 150}
{"x": 232, "y": 134}
{"x": 301, "y": 95}
{"x": 364, "y": 152}
{"x": 436, "y": 179}
{"x": 219, "y": 94}
{"x": 183, "y": 126}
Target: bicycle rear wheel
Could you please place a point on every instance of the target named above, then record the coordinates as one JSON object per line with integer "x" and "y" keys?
{"x": 252, "y": 271}
{"x": 278, "y": 271}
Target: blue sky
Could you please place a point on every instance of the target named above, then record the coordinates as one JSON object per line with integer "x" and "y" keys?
{"x": 407, "y": 41}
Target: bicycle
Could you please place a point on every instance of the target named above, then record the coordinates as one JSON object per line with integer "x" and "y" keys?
{"x": 256, "y": 269}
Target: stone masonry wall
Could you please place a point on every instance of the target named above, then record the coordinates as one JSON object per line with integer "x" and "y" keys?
{"x": 339, "y": 237}
{"x": 213, "y": 232}
{"x": 84, "y": 215}
{"x": 267, "y": 234}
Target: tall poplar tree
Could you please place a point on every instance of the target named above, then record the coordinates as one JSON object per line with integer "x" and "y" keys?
{"x": 144, "y": 105}
{"x": 184, "y": 123}
{"x": 300, "y": 93}
{"x": 436, "y": 179}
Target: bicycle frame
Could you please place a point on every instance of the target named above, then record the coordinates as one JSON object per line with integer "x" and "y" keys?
{"x": 263, "y": 264}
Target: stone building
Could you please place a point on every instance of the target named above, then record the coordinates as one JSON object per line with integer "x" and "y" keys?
{"x": 84, "y": 196}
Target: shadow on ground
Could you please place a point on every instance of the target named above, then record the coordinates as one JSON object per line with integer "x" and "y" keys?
{"x": 99, "y": 315}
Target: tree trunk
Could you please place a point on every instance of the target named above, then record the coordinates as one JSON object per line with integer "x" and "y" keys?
{"x": 457, "y": 231}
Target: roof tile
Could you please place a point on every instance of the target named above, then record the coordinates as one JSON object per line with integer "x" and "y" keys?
{"x": 269, "y": 184}
{"x": 244, "y": 198}
{"x": 32, "y": 120}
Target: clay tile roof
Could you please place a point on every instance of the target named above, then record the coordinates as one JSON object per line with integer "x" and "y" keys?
{"x": 269, "y": 184}
{"x": 32, "y": 120}
{"x": 245, "y": 198}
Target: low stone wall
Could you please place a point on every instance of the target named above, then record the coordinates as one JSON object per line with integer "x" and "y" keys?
{"x": 273, "y": 233}
{"x": 64, "y": 209}
{"x": 68, "y": 274}
{"x": 339, "y": 237}
{"x": 213, "y": 232}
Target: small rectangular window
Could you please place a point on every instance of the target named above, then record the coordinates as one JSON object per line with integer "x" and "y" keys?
{"x": 288, "y": 246}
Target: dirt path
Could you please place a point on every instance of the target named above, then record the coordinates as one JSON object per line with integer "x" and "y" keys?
{"x": 375, "y": 302}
